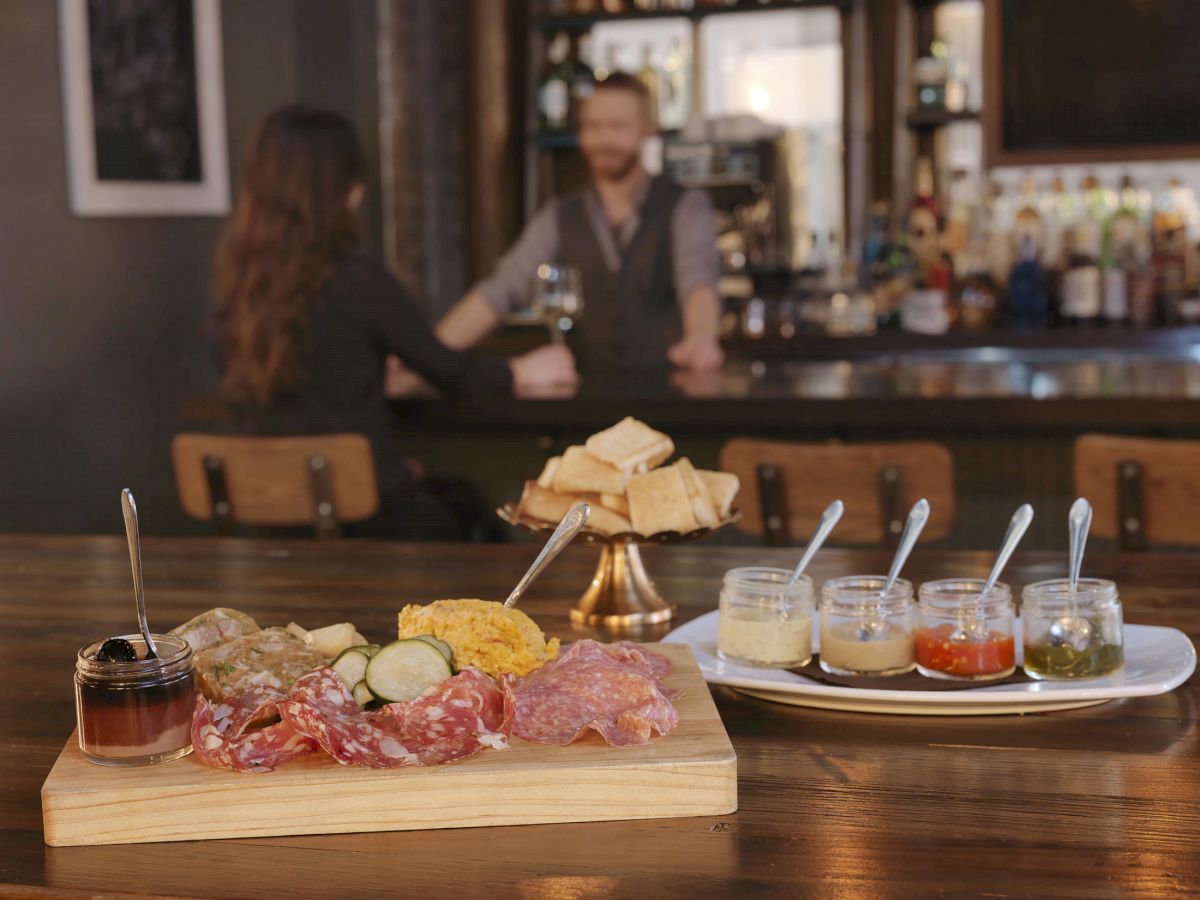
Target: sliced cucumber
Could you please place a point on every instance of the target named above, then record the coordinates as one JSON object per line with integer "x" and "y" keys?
{"x": 362, "y": 694}
{"x": 446, "y": 649}
{"x": 405, "y": 669}
{"x": 351, "y": 665}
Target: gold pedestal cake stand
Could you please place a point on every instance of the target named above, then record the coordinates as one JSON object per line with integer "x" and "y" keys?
{"x": 621, "y": 595}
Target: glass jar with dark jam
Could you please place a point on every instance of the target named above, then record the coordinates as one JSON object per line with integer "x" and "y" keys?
{"x": 135, "y": 711}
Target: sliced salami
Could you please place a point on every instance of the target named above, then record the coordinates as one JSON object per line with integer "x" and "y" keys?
{"x": 612, "y": 689}
{"x": 654, "y": 663}
{"x": 453, "y": 720}
{"x": 222, "y": 736}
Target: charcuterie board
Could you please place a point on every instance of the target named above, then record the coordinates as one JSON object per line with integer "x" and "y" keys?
{"x": 692, "y": 771}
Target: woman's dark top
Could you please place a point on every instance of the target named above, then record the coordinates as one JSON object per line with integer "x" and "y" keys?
{"x": 359, "y": 317}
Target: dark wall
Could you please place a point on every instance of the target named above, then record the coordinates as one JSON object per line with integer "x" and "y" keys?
{"x": 101, "y": 319}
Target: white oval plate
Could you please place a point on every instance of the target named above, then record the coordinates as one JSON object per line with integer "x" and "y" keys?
{"x": 1157, "y": 660}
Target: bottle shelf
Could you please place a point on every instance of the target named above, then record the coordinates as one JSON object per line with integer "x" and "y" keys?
{"x": 935, "y": 118}
{"x": 583, "y": 21}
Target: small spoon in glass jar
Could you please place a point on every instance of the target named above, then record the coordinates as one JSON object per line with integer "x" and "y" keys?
{"x": 1073, "y": 630}
{"x": 1017, "y": 525}
{"x": 829, "y": 518}
{"x": 917, "y": 517}
{"x": 129, "y": 508}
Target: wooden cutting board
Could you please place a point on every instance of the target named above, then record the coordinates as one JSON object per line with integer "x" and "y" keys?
{"x": 690, "y": 772}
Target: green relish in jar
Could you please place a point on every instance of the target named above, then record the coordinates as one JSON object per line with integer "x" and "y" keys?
{"x": 1069, "y": 634}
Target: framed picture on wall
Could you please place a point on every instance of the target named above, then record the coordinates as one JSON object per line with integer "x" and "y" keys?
{"x": 144, "y": 101}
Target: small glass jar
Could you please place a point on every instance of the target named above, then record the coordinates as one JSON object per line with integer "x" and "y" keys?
{"x": 764, "y": 621}
{"x": 865, "y": 632}
{"x": 1072, "y": 635}
{"x": 139, "y": 712}
{"x": 964, "y": 634}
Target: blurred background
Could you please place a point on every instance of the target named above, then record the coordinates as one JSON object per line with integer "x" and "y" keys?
{"x": 916, "y": 200}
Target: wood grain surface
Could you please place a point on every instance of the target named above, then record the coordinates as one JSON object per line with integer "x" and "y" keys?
{"x": 692, "y": 771}
{"x": 1099, "y": 802}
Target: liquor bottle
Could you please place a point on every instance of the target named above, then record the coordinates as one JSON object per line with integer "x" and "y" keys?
{"x": 1055, "y": 208}
{"x": 1170, "y": 251}
{"x": 872, "y": 270}
{"x": 999, "y": 227}
{"x": 1027, "y": 299}
{"x": 1027, "y": 223}
{"x": 1123, "y": 240}
{"x": 554, "y": 89}
{"x": 923, "y": 215}
{"x": 1081, "y": 295}
{"x": 674, "y": 102}
{"x": 649, "y": 75}
{"x": 582, "y": 76}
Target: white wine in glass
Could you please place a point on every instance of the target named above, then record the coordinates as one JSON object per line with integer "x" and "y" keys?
{"x": 558, "y": 299}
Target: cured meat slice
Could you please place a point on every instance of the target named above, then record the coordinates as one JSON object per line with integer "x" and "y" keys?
{"x": 222, "y": 737}
{"x": 453, "y": 720}
{"x": 655, "y": 663}
{"x": 613, "y": 689}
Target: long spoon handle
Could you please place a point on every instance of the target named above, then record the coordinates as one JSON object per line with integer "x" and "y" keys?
{"x": 129, "y": 508}
{"x": 574, "y": 520}
{"x": 829, "y": 518}
{"x": 1016, "y": 529}
{"x": 1079, "y": 522}
{"x": 917, "y": 517}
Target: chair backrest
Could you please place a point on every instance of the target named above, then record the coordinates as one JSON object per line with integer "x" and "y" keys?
{"x": 321, "y": 480}
{"x": 1143, "y": 491}
{"x": 786, "y": 486}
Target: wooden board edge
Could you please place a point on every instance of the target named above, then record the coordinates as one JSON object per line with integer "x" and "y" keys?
{"x": 687, "y": 790}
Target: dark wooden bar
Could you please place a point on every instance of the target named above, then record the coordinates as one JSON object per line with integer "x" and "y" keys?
{"x": 1099, "y": 802}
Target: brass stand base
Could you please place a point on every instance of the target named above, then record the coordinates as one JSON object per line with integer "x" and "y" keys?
{"x": 621, "y": 594}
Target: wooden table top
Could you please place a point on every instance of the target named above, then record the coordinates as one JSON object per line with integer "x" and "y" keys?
{"x": 1099, "y": 802}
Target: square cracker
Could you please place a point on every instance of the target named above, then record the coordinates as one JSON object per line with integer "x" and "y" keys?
{"x": 579, "y": 472}
{"x": 722, "y": 487}
{"x": 545, "y": 505}
{"x": 658, "y": 501}
{"x": 702, "y": 504}
{"x": 630, "y": 445}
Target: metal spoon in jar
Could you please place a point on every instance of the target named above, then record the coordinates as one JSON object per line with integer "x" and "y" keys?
{"x": 1072, "y": 629}
{"x": 829, "y": 518}
{"x": 129, "y": 508}
{"x": 574, "y": 520}
{"x": 1016, "y": 530}
{"x": 917, "y": 517}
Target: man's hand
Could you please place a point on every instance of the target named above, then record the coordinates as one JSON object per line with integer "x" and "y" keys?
{"x": 697, "y": 353}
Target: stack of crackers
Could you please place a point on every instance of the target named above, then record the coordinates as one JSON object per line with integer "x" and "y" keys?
{"x": 619, "y": 472}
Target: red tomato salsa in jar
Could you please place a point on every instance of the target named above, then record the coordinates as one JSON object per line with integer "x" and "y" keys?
{"x": 964, "y": 634}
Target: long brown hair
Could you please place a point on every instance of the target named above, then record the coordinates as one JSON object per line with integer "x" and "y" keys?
{"x": 291, "y": 222}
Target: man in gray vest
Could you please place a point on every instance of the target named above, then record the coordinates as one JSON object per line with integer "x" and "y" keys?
{"x": 644, "y": 246}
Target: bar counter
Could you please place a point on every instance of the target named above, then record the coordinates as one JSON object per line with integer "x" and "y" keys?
{"x": 1020, "y": 383}
{"x": 1097, "y": 802}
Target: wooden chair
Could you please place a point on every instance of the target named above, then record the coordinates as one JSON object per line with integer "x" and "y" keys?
{"x": 786, "y": 486}
{"x": 322, "y": 480}
{"x": 1143, "y": 491}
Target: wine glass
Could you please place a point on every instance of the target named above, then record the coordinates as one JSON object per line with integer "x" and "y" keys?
{"x": 558, "y": 299}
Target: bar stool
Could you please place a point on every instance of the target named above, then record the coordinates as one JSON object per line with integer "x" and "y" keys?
{"x": 1142, "y": 490}
{"x": 322, "y": 480}
{"x": 785, "y": 487}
